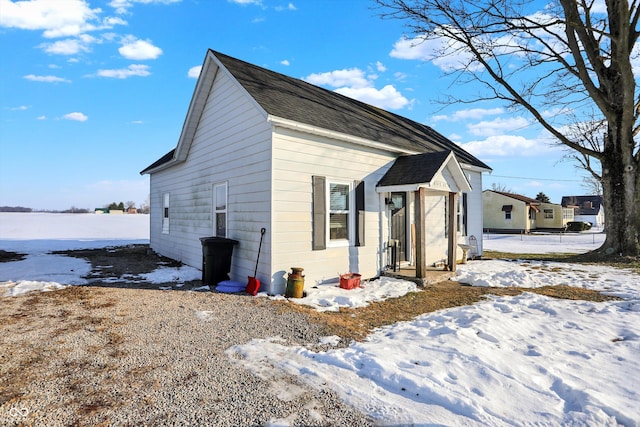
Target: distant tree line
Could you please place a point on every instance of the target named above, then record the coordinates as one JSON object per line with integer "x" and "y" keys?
{"x": 72, "y": 209}
{"x": 144, "y": 208}
{"x": 15, "y": 209}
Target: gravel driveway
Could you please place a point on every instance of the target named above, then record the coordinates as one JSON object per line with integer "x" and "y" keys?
{"x": 114, "y": 356}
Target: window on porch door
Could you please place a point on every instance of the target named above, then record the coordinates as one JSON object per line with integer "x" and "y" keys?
{"x": 462, "y": 215}
{"x": 399, "y": 223}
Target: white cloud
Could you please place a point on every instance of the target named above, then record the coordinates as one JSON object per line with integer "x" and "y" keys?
{"x": 400, "y": 76}
{"x": 122, "y": 6}
{"x": 388, "y": 97}
{"x": 380, "y": 67}
{"x": 133, "y": 70}
{"x": 46, "y": 79}
{"x": 557, "y": 111}
{"x": 139, "y": 50}
{"x": 70, "y": 46}
{"x": 445, "y": 54}
{"x": 194, "y": 72}
{"x": 352, "y": 77}
{"x": 247, "y": 2}
{"x": 497, "y": 126}
{"x": 56, "y": 18}
{"x": 76, "y": 116}
{"x": 19, "y": 108}
{"x": 41, "y": 118}
{"x": 355, "y": 84}
{"x": 112, "y": 21}
{"x": 505, "y": 145}
{"x": 285, "y": 62}
{"x": 290, "y": 6}
{"x": 469, "y": 114}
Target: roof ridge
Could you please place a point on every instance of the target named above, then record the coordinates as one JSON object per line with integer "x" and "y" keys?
{"x": 379, "y": 122}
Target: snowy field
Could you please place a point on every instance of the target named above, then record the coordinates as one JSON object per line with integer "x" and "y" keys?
{"x": 523, "y": 360}
{"x": 538, "y": 243}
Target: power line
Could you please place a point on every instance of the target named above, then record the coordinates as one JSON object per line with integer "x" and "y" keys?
{"x": 536, "y": 179}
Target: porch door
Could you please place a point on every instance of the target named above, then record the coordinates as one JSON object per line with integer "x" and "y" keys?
{"x": 399, "y": 223}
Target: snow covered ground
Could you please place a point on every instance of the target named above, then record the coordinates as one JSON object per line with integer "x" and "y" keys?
{"x": 524, "y": 360}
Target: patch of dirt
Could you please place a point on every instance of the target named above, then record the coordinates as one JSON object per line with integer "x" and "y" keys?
{"x": 120, "y": 266}
{"x": 118, "y": 261}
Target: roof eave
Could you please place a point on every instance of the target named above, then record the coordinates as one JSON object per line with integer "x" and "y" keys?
{"x": 167, "y": 165}
{"x": 314, "y": 130}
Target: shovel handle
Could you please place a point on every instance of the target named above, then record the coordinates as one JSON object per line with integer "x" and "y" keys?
{"x": 262, "y": 231}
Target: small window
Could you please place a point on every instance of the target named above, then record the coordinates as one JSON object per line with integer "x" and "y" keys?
{"x": 507, "y": 214}
{"x": 339, "y": 212}
{"x": 165, "y": 213}
{"x": 548, "y": 213}
{"x": 220, "y": 209}
{"x": 462, "y": 214}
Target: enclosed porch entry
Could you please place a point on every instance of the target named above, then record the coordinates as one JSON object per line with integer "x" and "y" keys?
{"x": 423, "y": 205}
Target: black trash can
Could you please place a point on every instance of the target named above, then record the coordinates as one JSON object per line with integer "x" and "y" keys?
{"x": 216, "y": 259}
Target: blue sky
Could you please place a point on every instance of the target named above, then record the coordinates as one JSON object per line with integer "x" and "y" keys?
{"x": 92, "y": 92}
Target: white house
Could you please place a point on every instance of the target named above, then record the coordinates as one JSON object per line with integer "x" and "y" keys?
{"x": 586, "y": 208}
{"x": 331, "y": 179}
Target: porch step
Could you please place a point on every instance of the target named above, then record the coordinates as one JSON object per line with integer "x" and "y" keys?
{"x": 431, "y": 276}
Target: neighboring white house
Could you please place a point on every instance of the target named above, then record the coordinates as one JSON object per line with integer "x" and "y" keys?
{"x": 333, "y": 181}
{"x": 586, "y": 208}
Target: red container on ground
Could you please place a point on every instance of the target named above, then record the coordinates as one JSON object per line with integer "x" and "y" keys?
{"x": 350, "y": 280}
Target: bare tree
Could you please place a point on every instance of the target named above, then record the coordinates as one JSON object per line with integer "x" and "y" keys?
{"x": 500, "y": 187}
{"x": 144, "y": 206}
{"x": 592, "y": 186}
{"x": 574, "y": 56}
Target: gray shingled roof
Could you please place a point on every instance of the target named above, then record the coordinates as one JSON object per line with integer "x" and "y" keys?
{"x": 527, "y": 200}
{"x": 415, "y": 169}
{"x": 294, "y": 99}
{"x": 297, "y": 100}
{"x": 592, "y": 207}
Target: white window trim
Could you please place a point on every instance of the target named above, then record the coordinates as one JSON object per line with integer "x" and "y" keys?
{"x": 335, "y": 243}
{"x": 548, "y": 212}
{"x": 460, "y": 213}
{"x": 225, "y": 211}
{"x": 165, "y": 213}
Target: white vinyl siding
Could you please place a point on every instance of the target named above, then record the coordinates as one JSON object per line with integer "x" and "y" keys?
{"x": 231, "y": 144}
{"x": 474, "y": 208}
{"x": 297, "y": 157}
